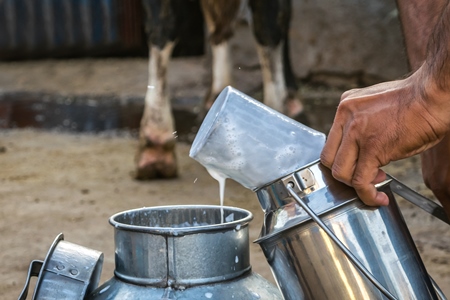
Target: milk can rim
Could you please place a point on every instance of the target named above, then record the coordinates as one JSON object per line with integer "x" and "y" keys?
{"x": 177, "y": 231}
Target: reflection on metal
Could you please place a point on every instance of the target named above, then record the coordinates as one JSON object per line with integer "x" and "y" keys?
{"x": 347, "y": 252}
{"x": 373, "y": 255}
{"x": 68, "y": 272}
{"x": 165, "y": 252}
{"x": 417, "y": 199}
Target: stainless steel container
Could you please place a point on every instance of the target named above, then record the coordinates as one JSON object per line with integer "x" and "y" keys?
{"x": 176, "y": 252}
{"x": 183, "y": 252}
{"x": 322, "y": 242}
{"x": 69, "y": 271}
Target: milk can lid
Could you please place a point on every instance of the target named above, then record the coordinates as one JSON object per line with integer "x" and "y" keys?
{"x": 69, "y": 271}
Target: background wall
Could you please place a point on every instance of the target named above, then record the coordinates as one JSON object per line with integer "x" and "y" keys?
{"x": 357, "y": 38}
{"x": 338, "y": 42}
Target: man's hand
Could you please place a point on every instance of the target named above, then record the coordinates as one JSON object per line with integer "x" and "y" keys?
{"x": 379, "y": 124}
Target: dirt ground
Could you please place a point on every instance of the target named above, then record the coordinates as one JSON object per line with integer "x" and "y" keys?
{"x": 52, "y": 182}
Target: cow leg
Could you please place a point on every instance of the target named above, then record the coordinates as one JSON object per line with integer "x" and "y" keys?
{"x": 270, "y": 22}
{"x": 220, "y": 16}
{"x": 435, "y": 161}
{"x": 156, "y": 153}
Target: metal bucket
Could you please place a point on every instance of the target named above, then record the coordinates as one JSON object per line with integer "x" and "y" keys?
{"x": 322, "y": 242}
{"x": 183, "y": 252}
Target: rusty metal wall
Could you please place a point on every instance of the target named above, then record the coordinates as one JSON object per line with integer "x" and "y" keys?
{"x": 62, "y": 28}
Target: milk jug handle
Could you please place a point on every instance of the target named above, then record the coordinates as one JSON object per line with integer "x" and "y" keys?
{"x": 33, "y": 270}
{"x": 417, "y": 199}
{"x": 346, "y": 251}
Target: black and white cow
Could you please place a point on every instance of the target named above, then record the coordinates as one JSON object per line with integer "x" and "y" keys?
{"x": 270, "y": 21}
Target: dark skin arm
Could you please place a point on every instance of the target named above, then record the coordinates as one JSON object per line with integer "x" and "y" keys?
{"x": 436, "y": 160}
{"x": 392, "y": 120}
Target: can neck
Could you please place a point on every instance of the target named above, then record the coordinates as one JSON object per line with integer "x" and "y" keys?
{"x": 314, "y": 184}
{"x": 185, "y": 256}
{"x": 305, "y": 182}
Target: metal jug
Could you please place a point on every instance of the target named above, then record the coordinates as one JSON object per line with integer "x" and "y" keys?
{"x": 167, "y": 252}
{"x": 320, "y": 240}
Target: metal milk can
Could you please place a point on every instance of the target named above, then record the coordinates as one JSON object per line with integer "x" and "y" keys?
{"x": 320, "y": 240}
{"x": 166, "y": 252}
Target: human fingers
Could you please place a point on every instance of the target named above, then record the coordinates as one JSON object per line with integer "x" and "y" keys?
{"x": 348, "y": 93}
{"x": 332, "y": 144}
{"x": 370, "y": 90}
{"x": 366, "y": 175}
{"x": 345, "y": 159}
{"x": 381, "y": 176}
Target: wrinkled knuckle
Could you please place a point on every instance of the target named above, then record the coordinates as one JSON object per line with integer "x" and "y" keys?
{"x": 343, "y": 107}
{"x": 325, "y": 160}
{"x": 346, "y": 94}
{"x": 346, "y": 109}
{"x": 338, "y": 173}
{"x": 358, "y": 182}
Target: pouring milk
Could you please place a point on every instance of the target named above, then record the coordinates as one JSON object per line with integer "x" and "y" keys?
{"x": 245, "y": 140}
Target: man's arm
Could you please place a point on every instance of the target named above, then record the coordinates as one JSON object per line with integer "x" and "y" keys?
{"x": 418, "y": 19}
{"x": 436, "y": 160}
{"x": 392, "y": 120}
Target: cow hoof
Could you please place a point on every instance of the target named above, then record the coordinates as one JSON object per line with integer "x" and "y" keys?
{"x": 155, "y": 163}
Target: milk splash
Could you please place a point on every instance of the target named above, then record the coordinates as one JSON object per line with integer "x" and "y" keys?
{"x": 221, "y": 178}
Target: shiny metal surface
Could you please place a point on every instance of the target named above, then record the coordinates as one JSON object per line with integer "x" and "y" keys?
{"x": 167, "y": 252}
{"x": 243, "y": 139}
{"x": 249, "y": 286}
{"x": 181, "y": 245}
{"x": 183, "y": 252}
{"x": 417, "y": 199}
{"x": 306, "y": 262}
{"x": 343, "y": 248}
{"x": 282, "y": 211}
{"x": 69, "y": 272}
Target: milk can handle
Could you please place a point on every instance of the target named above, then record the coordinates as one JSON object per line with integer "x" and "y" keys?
{"x": 33, "y": 270}
{"x": 417, "y": 199}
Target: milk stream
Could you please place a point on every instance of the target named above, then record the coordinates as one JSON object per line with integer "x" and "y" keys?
{"x": 221, "y": 179}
